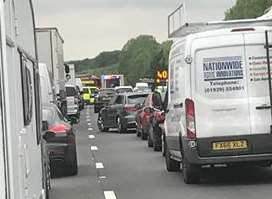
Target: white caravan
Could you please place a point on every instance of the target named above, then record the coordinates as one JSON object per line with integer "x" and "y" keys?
{"x": 50, "y": 52}
{"x": 219, "y": 97}
{"x": 46, "y": 86}
{"x": 20, "y": 137}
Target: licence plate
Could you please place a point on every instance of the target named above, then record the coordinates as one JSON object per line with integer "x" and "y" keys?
{"x": 230, "y": 145}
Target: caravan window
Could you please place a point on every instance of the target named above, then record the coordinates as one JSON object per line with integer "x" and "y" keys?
{"x": 27, "y": 86}
{"x": 37, "y": 104}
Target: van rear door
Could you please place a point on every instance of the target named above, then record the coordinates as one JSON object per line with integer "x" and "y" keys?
{"x": 221, "y": 95}
{"x": 258, "y": 89}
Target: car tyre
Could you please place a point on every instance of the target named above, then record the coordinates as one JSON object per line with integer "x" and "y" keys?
{"x": 149, "y": 141}
{"x": 72, "y": 167}
{"x": 157, "y": 143}
{"x": 121, "y": 128}
{"x": 101, "y": 125}
{"x": 143, "y": 135}
{"x": 138, "y": 133}
{"x": 171, "y": 165}
{"x": 163, "y": 145}
{"x": 191, "y": 173}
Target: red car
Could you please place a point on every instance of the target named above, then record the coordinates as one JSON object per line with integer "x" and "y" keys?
{"x": 148, "y": 119}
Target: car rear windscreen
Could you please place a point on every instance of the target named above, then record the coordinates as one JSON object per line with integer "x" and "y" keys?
{"x": 124, "y": 90}
{"x": 136, "y": 99}
{"x": 85, "y": 90}
{"x": 70, "y": 91}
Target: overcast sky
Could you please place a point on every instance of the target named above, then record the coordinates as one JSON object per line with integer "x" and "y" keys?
{"x": 92, "y": 26}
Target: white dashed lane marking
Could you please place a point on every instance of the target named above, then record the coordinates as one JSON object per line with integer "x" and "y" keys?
{"x": 90, "y": 129}
{"x": 109, "y": 195}
{"x": 94, "y": 148}
{"x": 89, "y": 124}
{"x": 91, "y": 136}
{"x": 99, "y": 165}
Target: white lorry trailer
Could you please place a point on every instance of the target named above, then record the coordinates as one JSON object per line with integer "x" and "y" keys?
{"x": 20, "y": 137}
{"x": 112, "y": 81}
{"x": 50, "y": 52}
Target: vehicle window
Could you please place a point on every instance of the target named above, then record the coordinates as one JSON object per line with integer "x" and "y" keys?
{"x": 147, "y": 101}
{"x": 48, "y": 115}
{"x": 27, "y": 90}
{"x": 85, "y": 90}
{"x": 70, "y": 91}
{"x": 93, "y": 90}
{"x": 124, "y": 90}
{"x": 156, "y": 100}
{"x": 136, "y": 99}
{"x": 112, "y": 101}
{"x": 119, "y": 100}
{"x": 106, "y": 92}
{"x": 37, "y": 93}
{"x": 60, "y": 115}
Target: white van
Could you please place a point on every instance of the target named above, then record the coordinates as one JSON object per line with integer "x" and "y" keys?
{"x": 72, "y": 101}
{"x": 219, "y": 107}
{"x": 20, "y": 123}
{"x": 46, "y": 86}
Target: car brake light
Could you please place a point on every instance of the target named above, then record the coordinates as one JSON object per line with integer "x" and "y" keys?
{"x": 129, "y": 108}
{"x": 190, "y": 119}
{"x": 59, "y": 128}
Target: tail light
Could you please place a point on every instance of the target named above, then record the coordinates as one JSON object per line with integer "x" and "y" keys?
{"x": 160, "y": 117}
{"x": 129, "y": 108}
{"x": 190, "y": 119}
{"x": 59, "y": 128}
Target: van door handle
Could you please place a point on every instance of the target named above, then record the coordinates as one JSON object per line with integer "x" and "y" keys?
{"x": 263, "y": 107}
{"x": 178, "y": 105}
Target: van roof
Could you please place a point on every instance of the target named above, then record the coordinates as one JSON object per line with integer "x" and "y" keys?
{"x": 220, "y": 32}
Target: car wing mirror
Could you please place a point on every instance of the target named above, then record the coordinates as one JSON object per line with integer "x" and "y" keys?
{"x": 45, "y": 125}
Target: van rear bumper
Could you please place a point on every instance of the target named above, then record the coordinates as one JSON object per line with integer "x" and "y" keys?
{"x": 259, "y": 150}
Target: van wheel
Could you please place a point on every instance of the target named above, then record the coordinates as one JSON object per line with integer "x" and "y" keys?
{"x": 171, "y": 165}
{"x": 47, "y": 188}
{"x": 191, "y": 173}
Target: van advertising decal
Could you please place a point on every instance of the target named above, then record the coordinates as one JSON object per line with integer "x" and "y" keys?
{"x": 258, "y": 68}
{"x": 223, "y": 68}
{"x": 223, "y": 74}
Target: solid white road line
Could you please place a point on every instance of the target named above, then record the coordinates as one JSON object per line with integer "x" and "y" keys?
{"x": 90, "y": 129}
{"x": 94, "y": 148}
{"x": 91, "y": 136}
{"x": 99, "y": 165}
{"x": 109, "y": 195}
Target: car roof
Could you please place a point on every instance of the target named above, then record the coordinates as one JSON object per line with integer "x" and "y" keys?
{"x": 132, "y": 94}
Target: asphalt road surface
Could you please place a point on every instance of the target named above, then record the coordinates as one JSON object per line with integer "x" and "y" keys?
{"x": 121, "y": 166}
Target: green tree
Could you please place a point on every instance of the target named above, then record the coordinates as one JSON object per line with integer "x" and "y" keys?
{"x": 136, "y": 58}
{"x": 244, "y": 9}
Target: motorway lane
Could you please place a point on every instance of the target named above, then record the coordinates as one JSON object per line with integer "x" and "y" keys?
{"x": 132, "y": 171}
{"x": 84, "y": 185}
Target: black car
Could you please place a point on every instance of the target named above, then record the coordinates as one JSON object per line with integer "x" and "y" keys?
{"x": 121, "y": 112}
{"x": 60, "y": 141}
{"x": 102, "y": 98}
